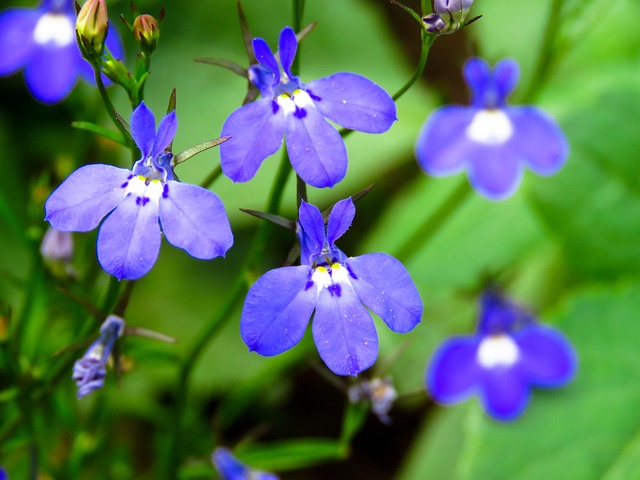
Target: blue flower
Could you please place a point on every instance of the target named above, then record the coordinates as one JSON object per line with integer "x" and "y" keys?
{"x": 230, "y": 468}
{"x": 137, "y": 202}
{"x": 490, "y": 139}
{"x": 279, "y": 305}
{"x": 299, "y": 112}
{"x": 42, "y": 41}
{"x": 90, "y": 370}
{"x": 509, "y": 354}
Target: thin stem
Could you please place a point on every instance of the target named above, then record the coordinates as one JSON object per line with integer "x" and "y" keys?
{"x": 427, "y": 41}
{"x": 298, "y": 12}
{"x": 218, "y": 320}
{"x": 110, "y": 108}
{"x": 212, "y": 177}
{"x": 301, "y": 190}
{"x": 547, "y": 50}
{"x": 430, "y": 226}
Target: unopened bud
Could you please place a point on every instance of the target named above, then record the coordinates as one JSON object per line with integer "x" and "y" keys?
{"x": 92, "y": 26}
{"x": 448, "y": 16}
{"x": 57, "y": 246}
{"x": 146, "y": 32}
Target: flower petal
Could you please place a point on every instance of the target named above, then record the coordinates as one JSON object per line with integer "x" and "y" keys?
{"x": 52, "y": 71}
{"x": 494, "y": 171}
{"x": 195, "y": 220}
{"x": 85, "y": 197}
{"x": 340, "y": 220}
{"x": 384, "y": 285}
{"x": 316, "y": 149}
{"x": 353, "y": 101}
{"x": 442, "y": 145}
{"x": 506, "y": 74}
{"x": 129, "y": 239}
{"x": 256, "y": 131}
{"x": 277, "y": 310}
{"x": 546, "y": 356}
{"x": 477, "y": 74}
{"x": 312, "y": 224}
{"x": 143, "y": 129}
{"x": 166, "y": 132}
{"x": 344, "y": 331}
{"x": 288, "y": 44}
{"x": 539, "y": 140}
{"x": 503, "y": 392}
{"x": 16, "y": 38}
{"x": 264, "y": 55}
{"x": 453, "y": 372}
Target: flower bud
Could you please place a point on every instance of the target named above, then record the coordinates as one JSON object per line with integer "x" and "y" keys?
{"x": 448, "y": 16}
{"x": 57, "y": 246}
{"x": 146, "y": 32}
{"x": 92, "y": 26}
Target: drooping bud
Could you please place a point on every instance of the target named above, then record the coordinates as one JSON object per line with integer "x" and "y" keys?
{"x": 92, "y": 26}
{"x": 448, "y": 16}
{"x": 57, "y": 246}
{"x": 146, "y": 32}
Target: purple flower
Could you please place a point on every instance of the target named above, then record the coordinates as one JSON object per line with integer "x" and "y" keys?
{"x": 509, "y": 354}
{"x": 279, "y": 305}
{"x": 299, "y": 112}
{"x": 57, "y": 246}
{"x": 138, "y": 202}
{"x": 490, "y": 139}
{"x": 42, "y": 41}
{"x": 230, "y": 468}
{"x": 90, "y": 370}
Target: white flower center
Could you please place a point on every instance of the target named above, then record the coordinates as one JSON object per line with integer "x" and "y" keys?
{"x": 498, "y": 350}
{"x": 324, "y": 277}
{"x": 145, "y": 192}
{"x": 490, "y": 127}
{"x": 298, "y": 103}
{"x": 54, "y": 28}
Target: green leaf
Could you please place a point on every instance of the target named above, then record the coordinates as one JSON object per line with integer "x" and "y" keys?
{"x": 104, "y": 132}
{"x": 593, "y": 204}
{"x": 355, "y": 415}
{"x": 293, "y": 454}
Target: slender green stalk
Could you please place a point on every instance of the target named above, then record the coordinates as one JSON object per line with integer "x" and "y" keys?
{"x": 433, "y": 223}
{"x": 110, "y": 108}
{"x": 546, "y": 57}
{"x": 212, "y": 177}
{"x": 427, "y": 41}
{"x": 218, "y": 320}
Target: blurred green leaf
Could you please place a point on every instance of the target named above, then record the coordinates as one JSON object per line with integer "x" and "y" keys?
{"x": 593, "y": 205}
{"x": 293, "y": 454}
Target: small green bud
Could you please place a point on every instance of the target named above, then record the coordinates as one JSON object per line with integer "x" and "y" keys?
{"x": 92, "y": 26}
{"x": 146, "y": 32}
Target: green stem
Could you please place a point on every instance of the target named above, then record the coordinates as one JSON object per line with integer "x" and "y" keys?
{"x": 110, "y": 108}
{"x": 208, "y": 181}
{"x": 430, "y": 226}
{"x": 301, "y": 190}
{"x": 427, "y": 41}
{"x": 547, "y": 51}
{"x": 218, "y": 320}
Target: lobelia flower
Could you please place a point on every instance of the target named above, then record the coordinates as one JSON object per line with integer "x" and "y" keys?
{"x": 299, "y": 112}
{"x": 279, "y": 305}
{"x": 491, "y": 140}
{"x": 90, "y": 370}
{"x": 57, "y": 246}
{"x": 230, "y": 468}
{"x": 137, "y": 202}
{"x": 509, "y": 354}
{"x": 42, "y": 41}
